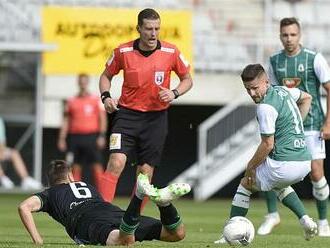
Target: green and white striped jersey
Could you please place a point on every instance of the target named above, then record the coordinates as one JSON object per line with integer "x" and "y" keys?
{"x": 278, "y": 115}
{"x": 306, "y": 70}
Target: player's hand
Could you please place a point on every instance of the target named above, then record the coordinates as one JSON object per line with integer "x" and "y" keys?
{"x": 61, "y": 145}
{"x": 325, "y": 131}
{"x": 38, "y": 241}
{"x": 250, "y": 175}
{"x": 165, "y": 94}
{"x": 111, "y": 105}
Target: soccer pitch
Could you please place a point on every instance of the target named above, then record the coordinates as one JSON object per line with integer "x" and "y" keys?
{"x": 203, "y": 221}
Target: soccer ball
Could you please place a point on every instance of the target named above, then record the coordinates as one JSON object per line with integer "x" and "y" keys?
{"x": 238, "y": 231}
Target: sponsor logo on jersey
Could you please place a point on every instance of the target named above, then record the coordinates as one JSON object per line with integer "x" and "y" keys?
{"x": 301, "y": 68}
{"x": 75, "y": 204}
{"x": 291, "y": 82}
{"x": 115, "y": 141}
{"x": 159, "y": 77}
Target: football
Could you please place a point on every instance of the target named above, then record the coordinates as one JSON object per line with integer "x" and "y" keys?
{"x": 238, "y": 231}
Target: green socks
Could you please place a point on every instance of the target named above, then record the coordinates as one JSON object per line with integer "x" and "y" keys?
{"x": 293, "y": 202}
{"x": 241, "y": 202}
{"x": 271, "y": 200}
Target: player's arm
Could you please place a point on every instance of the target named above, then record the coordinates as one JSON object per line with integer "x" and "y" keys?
{"x": 61, "y": 143}
{"x": 303, "y": 100}
{"x": 265, "y": 147}
{"x": 326, "y": 126}
{"x": 304, "y": 103}
{"x": 25, "y": 210}
{"x": 266, "y": 115}
{"x": 322, "y": 71}
{"x": 110, "y": 104}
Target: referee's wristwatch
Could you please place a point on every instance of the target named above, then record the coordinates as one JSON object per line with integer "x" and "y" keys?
{"x": 105, "y": 95}
{"x": 176, "y": 93}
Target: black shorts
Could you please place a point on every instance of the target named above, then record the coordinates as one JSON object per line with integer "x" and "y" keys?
{"x": 84, "y": 148}
{"x": 142, "y": 134}
{"x": 95, "y": 225}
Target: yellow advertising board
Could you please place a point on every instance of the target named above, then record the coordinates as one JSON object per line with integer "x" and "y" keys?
{"x": 86, "y": 37}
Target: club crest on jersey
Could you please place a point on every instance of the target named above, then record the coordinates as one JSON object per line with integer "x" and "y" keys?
{"x": 291, "y": 82}
{"x": 159, "y": 77}
{"x": 301, "y": 68}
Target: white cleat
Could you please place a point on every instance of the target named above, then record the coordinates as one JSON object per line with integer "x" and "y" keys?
{"x": 221, "y": 241}
{"x": 323, "y": 229}
{"x": 144, "y": 187}
{"x": 271, "y": 220}
{"x": 30, "y": 183}
{"x": 6, "y": 182}
{"x": 171, "y": 192}
{"x": 309, "y": 226}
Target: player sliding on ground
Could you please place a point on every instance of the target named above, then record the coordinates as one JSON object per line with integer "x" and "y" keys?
{"x": 88, "y": 219}
{"x": 282, "y": 158}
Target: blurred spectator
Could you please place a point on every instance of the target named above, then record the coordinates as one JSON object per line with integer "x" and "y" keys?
{"x": 12, "y": 155}
{"x": 82, "y": 134}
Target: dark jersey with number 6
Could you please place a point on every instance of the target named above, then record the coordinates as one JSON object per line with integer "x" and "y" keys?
{"x": 66, "y": 203}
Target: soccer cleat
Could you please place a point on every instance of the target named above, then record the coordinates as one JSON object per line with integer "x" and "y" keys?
{"x": 171, "y": 192}
{"x": 323, "y": 230}
{"x": 30, "y": 183}
{"x": 144, "y": 188}
{"x": 221, "y": 241}
{"x": 309, "y": 226}
{"x": 6, "y": 182}
{"x": 271, "y": 220}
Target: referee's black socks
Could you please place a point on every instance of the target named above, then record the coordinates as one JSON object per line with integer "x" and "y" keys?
{"x": 169, "y": 217}
{"x": 131, "y": 218}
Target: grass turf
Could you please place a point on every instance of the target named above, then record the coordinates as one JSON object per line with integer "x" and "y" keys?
{"x": 203, "y": 222}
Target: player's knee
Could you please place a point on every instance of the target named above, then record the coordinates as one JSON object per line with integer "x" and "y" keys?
{"x": 317, "y": 171}
{"x": 282, "y": 193}
{"x": 14, "y": 153}
{"x": 321, "y": 189}
{"x": 116, "y": 165}
{"x": 316, "y": 175}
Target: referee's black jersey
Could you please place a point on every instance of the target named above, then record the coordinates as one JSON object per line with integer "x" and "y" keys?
{"x": 66, "y": 203}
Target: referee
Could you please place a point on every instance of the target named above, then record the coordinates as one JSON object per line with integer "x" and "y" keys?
{"x": 140, "y": 115}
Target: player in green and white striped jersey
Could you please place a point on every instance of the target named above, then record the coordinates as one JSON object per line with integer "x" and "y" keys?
{"x": 297, "y": 66}
{"x": 282, "y": 158}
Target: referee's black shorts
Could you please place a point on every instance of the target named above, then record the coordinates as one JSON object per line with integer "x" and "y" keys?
{"x": 140, "y": 133}
{"x": 94, "y": 226}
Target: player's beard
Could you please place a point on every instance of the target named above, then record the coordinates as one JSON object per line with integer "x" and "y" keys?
{"x": 257, "y": 99}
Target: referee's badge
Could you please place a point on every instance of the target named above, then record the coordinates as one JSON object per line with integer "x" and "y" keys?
{"x": 115, "y": 141}
{"x": 159, "y": 77}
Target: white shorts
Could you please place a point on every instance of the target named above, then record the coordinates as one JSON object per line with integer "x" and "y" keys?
{"x": 315, "y": 144}
{"x": 272, "y": 174}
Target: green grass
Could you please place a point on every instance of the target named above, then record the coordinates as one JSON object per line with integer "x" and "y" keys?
{"x": 203, "y": 221}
